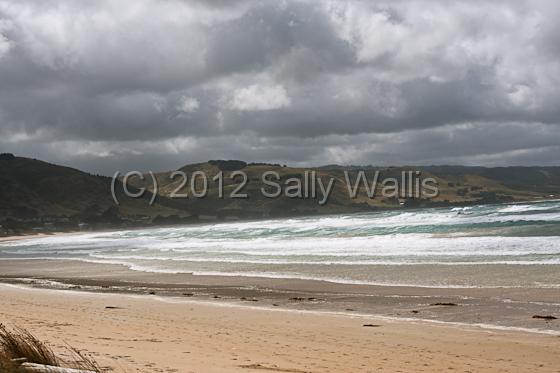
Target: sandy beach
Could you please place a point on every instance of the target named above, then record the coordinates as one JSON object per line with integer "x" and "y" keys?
{"x": 154, "y": 322}
{"x": 35, "y": 235}
{"x": 160, "y": 334}
{"x": 25, "y": 237}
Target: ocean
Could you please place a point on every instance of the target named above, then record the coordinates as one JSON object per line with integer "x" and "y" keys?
{"x": 507, "y": 245}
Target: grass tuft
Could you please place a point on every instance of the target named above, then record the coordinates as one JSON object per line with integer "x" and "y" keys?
{"x": 18, "y": 345}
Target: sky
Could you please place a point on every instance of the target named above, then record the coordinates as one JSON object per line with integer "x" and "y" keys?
{"x": 155, "y": 84}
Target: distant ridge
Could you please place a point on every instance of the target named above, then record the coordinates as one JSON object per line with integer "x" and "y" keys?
{"x": 34, "y": 191}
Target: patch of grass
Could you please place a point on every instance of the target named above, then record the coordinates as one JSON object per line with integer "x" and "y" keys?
{"x": 18, "y": 345}
{"x": 83, "y": 361}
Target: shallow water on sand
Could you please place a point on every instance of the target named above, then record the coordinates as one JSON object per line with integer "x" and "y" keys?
{"x": 488, "y": 245}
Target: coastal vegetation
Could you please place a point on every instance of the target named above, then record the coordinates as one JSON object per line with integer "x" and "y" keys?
{"x": 22, "y": 352}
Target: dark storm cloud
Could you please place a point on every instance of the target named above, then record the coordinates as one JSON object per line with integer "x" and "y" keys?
{"x": 157, "y": 83}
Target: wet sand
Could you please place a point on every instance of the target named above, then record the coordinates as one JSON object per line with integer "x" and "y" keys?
{"x": 499, "y": 307}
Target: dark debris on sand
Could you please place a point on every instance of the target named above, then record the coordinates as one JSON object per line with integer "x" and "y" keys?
{"x": 547, "y": 317}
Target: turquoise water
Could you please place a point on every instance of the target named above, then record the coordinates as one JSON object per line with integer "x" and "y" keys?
{"x": 502, "y": 245}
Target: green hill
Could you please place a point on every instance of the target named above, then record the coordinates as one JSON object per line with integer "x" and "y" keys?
{"x": 457, "y": 186}
{"x": 34, "y": 193}
{"x": 33, "y": 190}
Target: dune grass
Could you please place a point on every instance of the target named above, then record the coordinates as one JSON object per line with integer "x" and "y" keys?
{"x": 18, "y": 345}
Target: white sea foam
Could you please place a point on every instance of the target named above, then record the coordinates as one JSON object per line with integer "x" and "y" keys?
{"x": 517, "y": 234}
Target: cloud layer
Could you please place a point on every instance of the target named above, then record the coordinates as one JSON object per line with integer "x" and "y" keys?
{"x": 154, "y": 84}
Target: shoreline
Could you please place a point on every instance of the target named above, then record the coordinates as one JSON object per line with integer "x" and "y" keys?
{"x": 221, "y": 304}
{"x": 162, "y": 334}
{"x": 501, "y": 307}
{"x": 31, "y": 236}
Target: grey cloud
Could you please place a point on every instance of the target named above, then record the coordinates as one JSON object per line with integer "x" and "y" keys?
{"x": 354, "y": 80}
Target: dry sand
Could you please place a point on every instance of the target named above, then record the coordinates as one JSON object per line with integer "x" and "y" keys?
{"x": 162, "y": 334}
